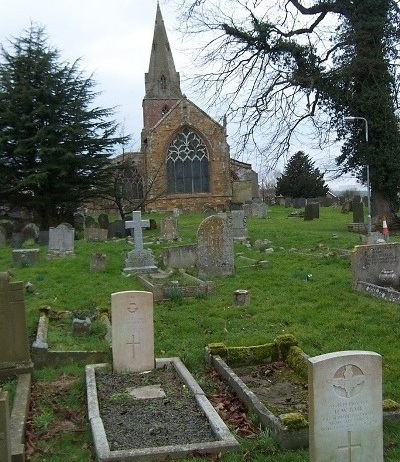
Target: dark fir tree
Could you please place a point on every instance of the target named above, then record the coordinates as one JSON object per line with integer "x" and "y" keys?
{"x": 55, "y": 143}
{"x": 301, "y": 178}
{"x": 296, "y": 65}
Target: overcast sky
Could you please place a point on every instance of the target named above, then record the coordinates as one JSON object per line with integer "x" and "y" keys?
{"x": 113, "y": 40}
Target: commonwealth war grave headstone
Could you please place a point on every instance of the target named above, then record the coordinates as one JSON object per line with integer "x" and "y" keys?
{"x": 345, "y": 407}
{"x": 215, "y": 247}
{"x": 132, "y": 331}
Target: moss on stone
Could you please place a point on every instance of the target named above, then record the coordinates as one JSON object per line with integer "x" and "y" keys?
{"x": 390, "y": 405}
{"x": 217, "y": 349}
{"x": 284, "y": 343}
{"x": 293, "y": 421}
{"x": 295, "y": 359}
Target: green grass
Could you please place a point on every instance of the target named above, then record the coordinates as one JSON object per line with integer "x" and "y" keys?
{"x": 305, "y": 291}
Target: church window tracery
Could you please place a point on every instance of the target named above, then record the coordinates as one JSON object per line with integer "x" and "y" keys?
{"x": 187, "y": 164}
{"x": 163, "y": 82}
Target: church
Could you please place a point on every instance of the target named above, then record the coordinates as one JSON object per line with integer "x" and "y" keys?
{"x": 184, "y": 161}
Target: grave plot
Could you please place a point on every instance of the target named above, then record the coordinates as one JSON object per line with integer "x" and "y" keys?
{"x": 272, "y": 382}
{"x": 140, "y": 392}
{"x": 166, "y": 285}
{"x": 62, "y": 338}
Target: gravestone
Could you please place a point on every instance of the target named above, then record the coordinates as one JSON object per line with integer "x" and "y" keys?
{"x": 98, "y": 263}
{"x": 103, "y": 221}
{"x": 180, "y": 257}
{"x": 368, "y": 262}
{"x": 139, "y": 260}
{"x": 30, "y": 232}
{"x": 299, "y": 202}
{"x": 288, "y": 202}
{"x": 5, "y": 441}
{"x": 43, "y": 238}
{"x": 96, "y": 234}
{"x": 259, "y": 209}
{"x": 247, "y": 210}
{"x": 90, "y": 222}
{"x": 16, "y": 240}
{"x": 358, "y": 210}
{"x": 3, "y": 238}
{"x": 239, "y": 227}
{"x": 79, "y": 221}
{"x": 308, "y": 212}
{"x": 208, "y": 211}
{"x": 345, "y": 407}
{"x": 315, "y": 209}
{"x": 61, "y": 240}
{"x": 116, "y": 229}
{"x": 14, "y": 347}
{"x": 169, "y": 229}
{"x": 132, "y": 331}
{"x": 215, "y": 247}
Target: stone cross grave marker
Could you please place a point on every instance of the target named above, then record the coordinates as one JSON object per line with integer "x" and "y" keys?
{"x": 345, "y": 407}
{"x": 132, "y": 331}
{"x": 136, "y": 224}
{"x": 5, "y": 443}
{"x": 14, "y": 347}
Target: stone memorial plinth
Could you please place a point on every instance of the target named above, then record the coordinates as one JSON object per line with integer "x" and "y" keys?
{"x": 241, "y": 297}
{"x": 345, "y": 407}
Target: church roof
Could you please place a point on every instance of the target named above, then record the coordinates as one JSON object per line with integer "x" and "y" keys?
{"x": 162, "y": 81}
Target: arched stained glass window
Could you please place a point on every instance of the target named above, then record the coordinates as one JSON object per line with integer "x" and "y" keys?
{"x": 187, "y": 164}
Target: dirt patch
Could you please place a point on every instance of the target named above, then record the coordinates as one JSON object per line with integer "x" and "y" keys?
{"x": 277, "y": 386}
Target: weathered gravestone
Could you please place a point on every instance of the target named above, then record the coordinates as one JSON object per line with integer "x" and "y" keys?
{"x": 90, "y": 222}
{"x": 180, "y": 257}
{"x": 5, "y": 441}
{"x": 308, "y": 212}
{"x": 369, "y": 261}
{"x": 96, "y": 234}
{"x": 238, "y": 223}
{"x": 169, "y": 229}
{"x": 139, "y": 260}
{"x": 61, "y": 240}
{"x": 103, "y": 221}
{"x": 116, "y": 229}
{"x": 259, "y": 209}
{"x": 25, "y": 257}
{"x": 345, "y": 407}
{"x": 215, "y": 247}
{"x": 14, "y": 347}
{"x": 30, "y": 232}
{"x": 132, "y": 331}
{"x": 98, "y": 263}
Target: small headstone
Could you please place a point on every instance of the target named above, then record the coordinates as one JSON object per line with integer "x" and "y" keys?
{"x": 90, "y": 222}
{"x": 116, "y": 229}
{"x": 169, "y": 229}
{"x": 241, "y": 297}
{"x": 16, "y": 240}
{"x": 183, "y": 256}
{"x": 152, "y": 223}
{"x": 215, "y": 247}
{"x": 239, "y": 227}
{"x": 132, "y": 331}
{"x": 308, "y": 213}
{"x": 247, "y": 210}
{"x": 315, "y": 209}
{"x": 61, "y": 240}
{"x": 5, "y": 440}
{"x": 30, "y": 232}
{"x": 43, "y": 238}
{"x": 358, "y": 210}
{"x": 98, "y": 263}
{"x": 345, "y": 407}
{"x": 176, "y": 212}
{"x": 25, "y": 257}
{"x": 81, "y": 326}
{"x": 259, "y": 209}
{"x": 288, "y": 202}
{"x": 79, "y": 221}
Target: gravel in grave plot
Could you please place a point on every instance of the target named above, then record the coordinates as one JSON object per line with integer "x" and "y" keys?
{"x": 142, "y": 423}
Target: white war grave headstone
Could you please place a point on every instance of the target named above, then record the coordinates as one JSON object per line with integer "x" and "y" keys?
{"x": 132, "y": 331}
{"x": 139, "y": 260}
{"x": 345, "y": 407}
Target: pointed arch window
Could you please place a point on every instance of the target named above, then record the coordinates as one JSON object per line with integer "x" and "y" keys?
{"x": 187, "y": 164}
{"x": 163, "y": 82}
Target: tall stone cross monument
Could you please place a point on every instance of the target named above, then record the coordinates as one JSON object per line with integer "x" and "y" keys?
{"x": 139, "y": 260}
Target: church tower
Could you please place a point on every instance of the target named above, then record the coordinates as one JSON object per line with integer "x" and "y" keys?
{"x": 162, "y": 82}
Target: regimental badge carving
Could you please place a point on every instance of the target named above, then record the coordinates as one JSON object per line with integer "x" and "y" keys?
{"x": 348, "y": 381}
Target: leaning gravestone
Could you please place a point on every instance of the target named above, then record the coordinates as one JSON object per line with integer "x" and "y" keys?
{"x": 139, "y": 260}
{"x": 345, "y": 407}
{"x": 14, "y": 347}
{"x": 61, "y": 240}
{"x": 132, "y": 331}
{"x": 215, "y": 247}
{"x": 5, "y": 442}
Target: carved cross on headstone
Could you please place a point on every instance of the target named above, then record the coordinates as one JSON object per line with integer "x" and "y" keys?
{"x": 133, "y": 343}
{"x": 137, "y": 224}
{"x": 349, "y": 447}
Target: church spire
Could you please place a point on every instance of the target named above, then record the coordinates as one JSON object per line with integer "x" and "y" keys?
{"x": 161, "y": 81}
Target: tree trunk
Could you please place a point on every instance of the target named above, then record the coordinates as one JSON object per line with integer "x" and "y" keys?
{"x": 381, "y": 207}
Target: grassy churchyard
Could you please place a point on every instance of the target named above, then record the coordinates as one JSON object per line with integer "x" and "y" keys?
{"x": 305, "y": 290}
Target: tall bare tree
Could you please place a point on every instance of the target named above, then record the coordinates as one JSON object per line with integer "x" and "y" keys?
{"x": 292, "y": 69}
